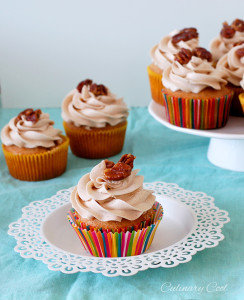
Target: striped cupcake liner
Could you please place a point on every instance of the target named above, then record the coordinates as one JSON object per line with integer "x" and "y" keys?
{"x": 125, "y": 242}
{"x": 198, "y": 113}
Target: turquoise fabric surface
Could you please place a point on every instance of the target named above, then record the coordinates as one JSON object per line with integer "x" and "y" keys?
{"x": 162, "y": 155}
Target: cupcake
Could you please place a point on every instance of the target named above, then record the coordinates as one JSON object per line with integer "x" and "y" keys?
{"x": 229, "y": 36}
{"x": 195, "y": 93}
{"x": 111, "y": 212}
{"x": 94, "y": 120}
{"x": 232, "y": 64}
{"x": 33, "y": 149}
{"x": 162, "y": 56}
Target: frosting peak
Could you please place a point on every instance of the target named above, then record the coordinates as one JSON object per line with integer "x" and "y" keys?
{"x": 31, "y": 129}
{"x": 229, "y": 37}
{"x": 190, "y": 73}
{"x": 162, "y": 54}
{"x": 232, "y": 64}
{"x": 93, "y": 105}
{"x": 107, "y": 200}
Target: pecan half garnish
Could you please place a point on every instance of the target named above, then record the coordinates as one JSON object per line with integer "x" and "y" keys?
{"x": 238, "y": 25}
{"x": 82, "y": 83}
{"x": 238, "y": 43}
{"x": 185, "y": 35}
{"x": 183, "y": 56}
{"x": 98, "y": 89}
{"x": 227, "y": 31}
{"x": 121, "y": 170}
{"x": 109, "y": 164}
{"x": 30, "y": 115}
{"x": 128, "y": 159}
{"x": 202, "y": 53}
{"x": 240, "y": 52}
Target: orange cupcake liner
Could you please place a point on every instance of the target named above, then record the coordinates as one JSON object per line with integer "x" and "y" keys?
{"x": 241, "y": 98}
{"x": 198, "y": 113}
{"x": 236, "y": 108}
{"x": 156, "y": 86}
{"x": 38, "y": 166}
{"x": 97, "y": 142}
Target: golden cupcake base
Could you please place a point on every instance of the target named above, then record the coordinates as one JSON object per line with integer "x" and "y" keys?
{"x": 96, "y": 142}
{"x": 30, "y": 166}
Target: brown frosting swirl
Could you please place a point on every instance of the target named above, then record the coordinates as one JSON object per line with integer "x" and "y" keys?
{"x": 107, "y": 200}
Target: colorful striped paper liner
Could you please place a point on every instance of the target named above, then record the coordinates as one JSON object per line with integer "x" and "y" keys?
{"x": 104, "y": 243}
{"x": 198, "y": 113}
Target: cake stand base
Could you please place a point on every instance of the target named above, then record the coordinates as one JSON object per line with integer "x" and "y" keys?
{"x": 227, "y": 154}
{"x": 226, "y": 148}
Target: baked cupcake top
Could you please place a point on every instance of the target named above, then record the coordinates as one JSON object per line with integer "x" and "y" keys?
{"x": 193, "y": 71}
{"x": 229, "y": 36}
{"x": 111, "y": 192}
{"x": 31, "y": 129}
{"x": 162, "y": 54}
{"x": 232, "y": 64}
{"x": 93, "y": 105}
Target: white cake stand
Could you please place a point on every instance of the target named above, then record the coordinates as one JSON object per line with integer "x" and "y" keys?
{"x": 226, "y": 147}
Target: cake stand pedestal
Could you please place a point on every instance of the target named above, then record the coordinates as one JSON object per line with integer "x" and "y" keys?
{"x": 226, "y": 147}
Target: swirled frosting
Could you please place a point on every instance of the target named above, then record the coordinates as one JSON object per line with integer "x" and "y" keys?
{"x": 162, "y": 54}
{"x": 233, "y": 65}
{"x": 28, "y": 134}
{"x": 221, "y": 45}
{"x": 96, "y": 197}
{"x": 194, "y": 76}
{"x": 87, "y": 109}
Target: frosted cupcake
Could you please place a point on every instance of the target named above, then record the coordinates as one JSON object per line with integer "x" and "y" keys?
{"x": 34, "y": 150}
{"x": 94, "y": 120}
{"x": 162, "y": 56}
{"x": 195, "y": 93}
{"x": 232, "y": 64}
{"x": 112, "y": 214}
{"x": 229, "y": 36}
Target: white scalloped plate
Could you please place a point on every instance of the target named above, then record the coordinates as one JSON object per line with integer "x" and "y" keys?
{"x": 191, "y": 223}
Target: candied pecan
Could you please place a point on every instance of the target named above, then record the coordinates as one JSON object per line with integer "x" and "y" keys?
{"x": 121, "y": 170}
{"x": 227, "y": 31}
{"x": 202, "y": 53}
{"x": 185, "y": 35}
{"x": 240, "y": 52}
{"x": 238, "y": 25}
{"x": 128, "y": 159}
{"x": 30, "y": 115}
{"x": 183, "y": 56}
{"x": 98, "y": 89}
{"x": 109, "y": 164}
{"x": 238, "y": 43}
{"x": 118, "y": 172}
{"x": 82, "y": 83}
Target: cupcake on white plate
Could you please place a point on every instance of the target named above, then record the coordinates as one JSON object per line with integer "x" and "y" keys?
{"x": 196, "y": 94}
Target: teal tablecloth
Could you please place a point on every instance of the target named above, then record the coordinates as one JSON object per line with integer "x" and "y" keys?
{"x": 163, "y": 155}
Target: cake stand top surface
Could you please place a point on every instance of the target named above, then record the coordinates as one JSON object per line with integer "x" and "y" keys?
{"x": 233, "y": 130}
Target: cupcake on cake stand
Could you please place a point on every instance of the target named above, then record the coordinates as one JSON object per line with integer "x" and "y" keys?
{"x": 226, "y": 147}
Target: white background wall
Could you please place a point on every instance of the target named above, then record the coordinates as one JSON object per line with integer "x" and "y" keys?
{"x": 48, "y": 46}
